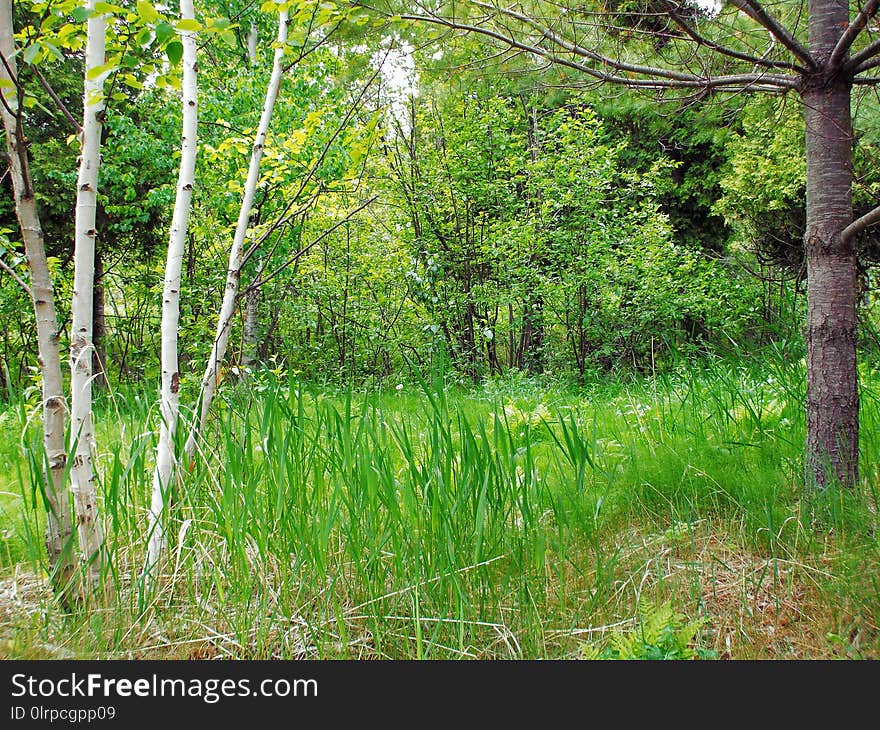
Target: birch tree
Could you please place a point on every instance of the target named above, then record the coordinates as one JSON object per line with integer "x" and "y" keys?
{"x": 58, "y": 526}
{"x": 817, "y": 50}
{"x": 82, "y": 476}
{"x": 170, "y": 398}
{"x": 236, "y": 254}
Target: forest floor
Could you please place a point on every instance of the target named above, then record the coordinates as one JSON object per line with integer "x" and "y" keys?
{"x": 654, "y": 518}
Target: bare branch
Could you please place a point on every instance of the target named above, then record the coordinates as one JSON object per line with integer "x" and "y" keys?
{"x": 852, "y": 32}
{"x": 657, "y": 78}
{"x": 60, "y": 104}
{"x": 650, "y": 71}
{"x": 14, "y": 79}
{"x": 21, "y": 282}
{"x": 857, "y": 62}
{"x": 754, "y": 10}
{"x": 286, "y": 217}
{"x": 724, "y": 50}
{"x": 860, "y": 224}
{"x": 305, "y": 249}
{"x": 868, "y": 80}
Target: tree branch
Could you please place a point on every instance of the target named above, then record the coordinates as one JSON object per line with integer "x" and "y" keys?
{"x": 673, "y": 13}
{"x": 867, "y": 80}
{"x": 651, "y": 71}
{"x": 856, "y": 62}
{"x": 14, "y": 79}
{"x": 860, "y": 224}
{"x": 657, "y": 78}
{"x": 754, "y": 10}
{"x": 21, "y": 282}
{"x": 852, "y": 32}
{"x": 60, "y": 104}
{"x": 305, "y": 249}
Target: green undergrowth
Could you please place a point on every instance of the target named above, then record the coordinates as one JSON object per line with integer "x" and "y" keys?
{"x": 518, "y": 519}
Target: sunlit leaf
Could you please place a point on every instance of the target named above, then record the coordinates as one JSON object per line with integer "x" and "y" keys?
{"x": 188, "y": 24}
{"x": 147, "y": 12}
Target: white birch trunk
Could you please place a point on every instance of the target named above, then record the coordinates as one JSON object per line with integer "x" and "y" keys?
{"x": 58, "y": 525}
{"x": 170, "y": 398}
{"x": 233, "y": 274}
{"x": 82, "y": 477}
{"x": 252, "y": 44}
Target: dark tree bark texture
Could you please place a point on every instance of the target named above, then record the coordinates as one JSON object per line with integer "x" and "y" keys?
{"x": 832, "y": 380}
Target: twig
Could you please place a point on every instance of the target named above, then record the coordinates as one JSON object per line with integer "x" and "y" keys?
{"x": 9, "y": 270}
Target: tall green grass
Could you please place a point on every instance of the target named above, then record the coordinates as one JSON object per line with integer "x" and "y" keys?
{"x": 437, "y": 521}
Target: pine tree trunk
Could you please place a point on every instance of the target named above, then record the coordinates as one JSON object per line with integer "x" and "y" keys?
{"x": 59, "y": 530}
{"x": 170, "y": 397}
{"x": 82, "y": 478}
{"x": 832, "y": 379}
{"x": 233, "y": 275}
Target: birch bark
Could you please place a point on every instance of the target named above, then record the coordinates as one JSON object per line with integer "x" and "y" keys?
{"x": 233, "y": 274}
{"x": 58, "y": 525}
{"x": 170, "y": 397}
{"x": 82, "y": 477}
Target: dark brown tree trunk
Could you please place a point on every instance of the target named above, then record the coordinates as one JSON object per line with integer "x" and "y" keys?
{"x": 531, "y": 341}
{"x": 832, "y": 380}
{"x": 469, "y": 342}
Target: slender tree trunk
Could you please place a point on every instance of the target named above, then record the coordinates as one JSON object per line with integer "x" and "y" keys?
{"x": 531, "y": 348}
{"x": 82, "y": 478}
{"x": 170, "y": 397}
{"x": 252, "y": 38}
{"x": 233, "y": 275}
{"x": 532, "y": 336}
{"x": 832, "y": 379}
{"x": 250, "y": 330}
{"x": 59, "y": 532}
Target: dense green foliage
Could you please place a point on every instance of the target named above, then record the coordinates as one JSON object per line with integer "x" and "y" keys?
{"x": 546, "y": 231}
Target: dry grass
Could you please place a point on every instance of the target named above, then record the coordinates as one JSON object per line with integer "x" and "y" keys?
{"x": 794, "y": 604}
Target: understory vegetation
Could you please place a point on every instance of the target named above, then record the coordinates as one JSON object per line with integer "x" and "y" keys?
{"x": 653, "y": 517}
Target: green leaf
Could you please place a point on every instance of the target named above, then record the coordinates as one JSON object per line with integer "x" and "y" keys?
{"x": 147, "y": 12}
{"x": 191, "y": 25}
{"x": 96, "y": 71}
{"x": 132, "y": 82}
{"x": 53, "y": 50}
{"x": 164, "y": 32}
{"x": 81, "y": 15}
{"x": 102, "y": 7}
{"x": 30, "y": 53}
{"x": 270, "y": 6}
{"x": 6, "y": 84}
{"x": 174, "y": 51}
